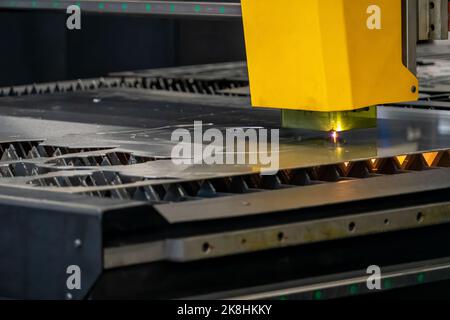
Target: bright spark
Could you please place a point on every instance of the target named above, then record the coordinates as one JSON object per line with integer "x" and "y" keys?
{"x": 335, "y": 136}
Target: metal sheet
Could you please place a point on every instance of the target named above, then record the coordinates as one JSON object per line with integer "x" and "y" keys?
{"x": 141, "y": 122}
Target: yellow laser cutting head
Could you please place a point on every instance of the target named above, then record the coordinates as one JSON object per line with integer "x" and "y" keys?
{"x": 326, "y": 55}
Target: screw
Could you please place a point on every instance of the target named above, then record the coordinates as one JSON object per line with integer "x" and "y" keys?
{"x": 69, "y": 296}
{"x": 77, "y": 243}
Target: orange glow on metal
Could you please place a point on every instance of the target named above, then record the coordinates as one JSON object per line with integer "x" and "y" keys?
{"x": 430, "y": 157}
{"x": 401, "y": 159}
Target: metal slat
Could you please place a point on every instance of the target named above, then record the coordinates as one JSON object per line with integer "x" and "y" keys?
{"x": 344, "y": 284}
{"x": 307, "y": 197}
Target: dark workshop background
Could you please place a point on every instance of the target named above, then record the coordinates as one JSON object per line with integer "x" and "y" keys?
{"x": 37, "y": 47}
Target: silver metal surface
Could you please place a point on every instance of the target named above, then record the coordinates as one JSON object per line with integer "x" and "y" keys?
{"x": 424, "y": 20}
{"x": 410, "y": 19}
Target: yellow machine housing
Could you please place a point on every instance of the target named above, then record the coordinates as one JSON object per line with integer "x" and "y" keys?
{"x": 326, "y": 55}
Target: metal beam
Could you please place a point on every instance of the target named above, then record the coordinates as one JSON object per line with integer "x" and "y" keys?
{"x": 173, "y": 8}
{"x": 275, "y": 237}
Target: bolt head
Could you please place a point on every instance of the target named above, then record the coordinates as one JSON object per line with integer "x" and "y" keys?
{"x": 77, "y": 243}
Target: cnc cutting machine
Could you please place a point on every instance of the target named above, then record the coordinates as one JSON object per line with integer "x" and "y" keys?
{"x": 87, "y": 179}
{"x": 337, "y": 56}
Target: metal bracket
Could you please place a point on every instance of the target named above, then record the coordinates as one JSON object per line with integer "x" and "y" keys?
{"x": 433, "y": 19}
